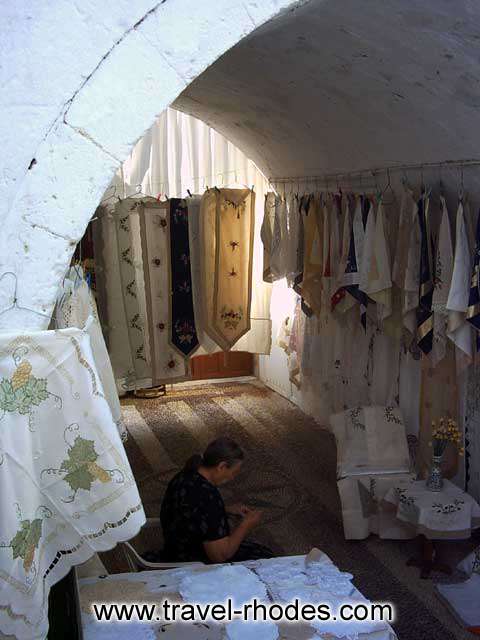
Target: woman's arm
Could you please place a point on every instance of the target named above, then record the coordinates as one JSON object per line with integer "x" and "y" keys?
{"x": 223, "y": 549}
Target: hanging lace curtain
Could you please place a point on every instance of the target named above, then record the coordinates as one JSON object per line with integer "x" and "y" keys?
{"x": 179, "y": 154}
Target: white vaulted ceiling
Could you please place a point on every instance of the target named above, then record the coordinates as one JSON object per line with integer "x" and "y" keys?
{"x": 343, "y": 85}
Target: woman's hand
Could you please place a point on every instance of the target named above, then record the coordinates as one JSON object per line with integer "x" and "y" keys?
{"x": 252, "y": 518}
{"x": 238, "y": 509}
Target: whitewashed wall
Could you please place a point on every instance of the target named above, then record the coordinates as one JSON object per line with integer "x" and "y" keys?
{"x": 80, "y": 84}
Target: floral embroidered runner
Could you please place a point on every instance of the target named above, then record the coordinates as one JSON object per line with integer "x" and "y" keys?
{"x": 182, "y": 333}
{"x": 168, "y": 362}
{"x": 128, "y": 243}
{"x": 67, "y": 486}
{"x": 233, "y": 264}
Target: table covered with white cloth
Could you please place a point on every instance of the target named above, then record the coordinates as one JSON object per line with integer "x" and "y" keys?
{"x": 67, "y": 489}
{"x": 447, "y": 514}
{"x": 313, "y": 579}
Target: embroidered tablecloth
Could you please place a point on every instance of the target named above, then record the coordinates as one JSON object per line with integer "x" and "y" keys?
{"x": 450, "y": 513}
{"x": 277, "y": 576}
{"x": 67, "y": 489}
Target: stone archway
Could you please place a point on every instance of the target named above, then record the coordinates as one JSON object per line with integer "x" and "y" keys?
{"x": 68, "y": 151}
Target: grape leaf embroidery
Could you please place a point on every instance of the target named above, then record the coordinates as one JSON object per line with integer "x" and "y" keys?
{"x": 23, "y": 392}
{"x": 80, "y": 469}
{"x": 26, "y": 541}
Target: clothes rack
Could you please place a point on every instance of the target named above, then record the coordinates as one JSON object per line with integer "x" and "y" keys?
{"x": 369, "y": 175}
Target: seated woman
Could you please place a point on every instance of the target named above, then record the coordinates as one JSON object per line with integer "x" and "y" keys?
{"x": 193, "y": 514}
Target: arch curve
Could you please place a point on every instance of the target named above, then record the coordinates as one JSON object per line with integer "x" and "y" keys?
{"x": 127, "y": 65}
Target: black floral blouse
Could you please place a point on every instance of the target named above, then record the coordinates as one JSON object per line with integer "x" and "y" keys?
{"x": 192, "y": 512}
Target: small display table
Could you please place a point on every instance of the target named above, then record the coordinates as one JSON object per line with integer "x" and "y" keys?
{"x": 450, "y": 514}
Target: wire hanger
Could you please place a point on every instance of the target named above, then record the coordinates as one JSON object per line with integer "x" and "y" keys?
{"x": 15, "y": 304}
{"x": 139, "y": 192}
{"x": 112, "y": 196}
{"x": 389, "y": 188}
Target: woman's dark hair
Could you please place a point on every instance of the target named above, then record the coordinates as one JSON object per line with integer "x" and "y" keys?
{"x": 220, "y": 450}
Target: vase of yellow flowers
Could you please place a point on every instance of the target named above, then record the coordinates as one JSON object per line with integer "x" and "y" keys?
{"x": 446, "y": 432}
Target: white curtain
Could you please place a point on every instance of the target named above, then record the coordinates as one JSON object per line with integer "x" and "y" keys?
{"x": 180, "y": 154}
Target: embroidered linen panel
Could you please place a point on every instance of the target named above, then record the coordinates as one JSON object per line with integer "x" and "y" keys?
{"x": 168, "y": 363}
{"x": 207, "y": 345}
{"x": 118, "y": 264}
{"x": 443, "y": 278}
{"x": 460, "y": 331}
{"x": 233, "y": 264}
{"x": 266, "y": 235}
{"x": 313, "y": 223}
{"x": 183, "y": 335}
{"x": 226, "y": 239}
{"x": 67, "y": 487}
{"x": 424, "y": 311}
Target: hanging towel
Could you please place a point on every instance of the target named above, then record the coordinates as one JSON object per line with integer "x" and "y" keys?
{"x": 279, "y": 246}
{"x": 335, "y": 243}
{"x": 460, "y": 331}
{"x": 424, "y": 310}
{"x": 266, "y": 235}
{"x": 295, "y": 248}
{"x": 352, "y": 271}
{"x": 379, "y": 287}
{"x": 443, "y": 278}
{"x": 403, "y": 239}
{"x": 411, "y": 286}
{"x": 340, "y": 301}
{"x": 314, "y": 251}
{"x": 473, "y": 311}
{"x": 368, "y": 221}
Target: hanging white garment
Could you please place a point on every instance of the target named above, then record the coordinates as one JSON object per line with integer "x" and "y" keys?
{"x": 403, "y": 239}
{"x": 443, "y": 278}
{"x": 67, "y": 487}
{"x": 266, "y": 234}
{"x": 295, "y": 248}
{"x": 412, "y": 273}
{"x": 368, "y": 249}
{"x": 77, "y": 308}
{"x": 340, "y": 301}
{"x": 359, "y": 236}
{"x": 379, "y": 282}
{"x": 459, "y": 330}
{"x": 345, "y": 243}
{"x": 279, "y": 244}
{"x": 326, "y": 280}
